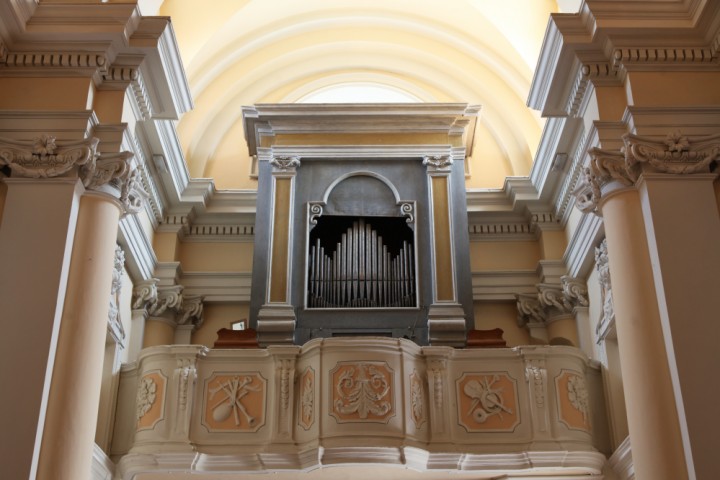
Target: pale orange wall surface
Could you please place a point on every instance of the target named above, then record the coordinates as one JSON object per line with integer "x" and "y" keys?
{"x": 491, "y": 315}
{"x": 217, "y": 316}
{"x": 216, "y": 257}
{"x": 45, "y": 93}
{"x": 504, "y": 256}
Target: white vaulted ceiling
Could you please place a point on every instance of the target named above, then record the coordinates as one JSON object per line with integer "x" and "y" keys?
{"x": 244, "y": 52}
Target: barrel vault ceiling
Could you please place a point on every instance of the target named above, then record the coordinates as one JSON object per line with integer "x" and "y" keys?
{"x": 245, "y": 52}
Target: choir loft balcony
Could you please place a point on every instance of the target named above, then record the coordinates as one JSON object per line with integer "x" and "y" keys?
{"x": 375, "y": 401}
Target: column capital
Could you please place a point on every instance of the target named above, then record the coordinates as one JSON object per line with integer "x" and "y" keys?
{"x": 609, "y": 170}
{"x": 285, "y": 163}
{"x": 45, "y": 157}
{"x": 676, "y": 154}
{"x": 438, "y": 163}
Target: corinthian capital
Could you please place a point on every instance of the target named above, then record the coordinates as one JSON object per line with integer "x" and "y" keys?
{"x": 145, "y": 294}
{"x": 575, "y": 291}
{"x": 605, "y": 167}
{"x": 191, "y": 310}
{"x": 530, "y": 310}
{"x": 44, "y": 157}
{"x": 676, "y": 154}
{"x": 168, "y": 298}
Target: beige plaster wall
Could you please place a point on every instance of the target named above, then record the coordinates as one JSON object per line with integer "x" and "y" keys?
{"x": 490, "y": 315}
{"x": 553, "y": 245}
{"x": 216, "y": 257}
{"x": 217, "y": 316}
{"x": 504, "y": 255}
{"x": 46, "y": 94}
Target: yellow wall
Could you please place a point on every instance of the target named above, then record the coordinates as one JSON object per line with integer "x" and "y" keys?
{"x": 504, "y": 255}
{"x": 216, "y": 257}
{"x": 490, "y": 315}
{"x": 217, "y": 316}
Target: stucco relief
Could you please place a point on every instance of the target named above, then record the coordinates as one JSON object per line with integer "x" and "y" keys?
{"x": 417, "y": 399}
{"x": 573, "y": 400}
{"x": 362, "y": 392}
{"x": 487, "y": 402}
{"x": 307, "y": 398}
{"x": 234, "y": 402}
{"x": 150, "y": 400}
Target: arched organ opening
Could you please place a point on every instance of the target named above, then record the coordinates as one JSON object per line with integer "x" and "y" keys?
{"x": 368, "y": 264}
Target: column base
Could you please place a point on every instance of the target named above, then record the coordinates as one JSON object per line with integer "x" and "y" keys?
{"x": 276, "y": 325}
{"x": 446, "y": 325}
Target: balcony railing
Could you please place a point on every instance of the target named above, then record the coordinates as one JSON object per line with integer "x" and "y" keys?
{"x": 359, "y": 400}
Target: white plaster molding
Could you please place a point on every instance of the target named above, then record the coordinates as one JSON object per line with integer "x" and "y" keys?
{"x": 579, "y": 255}
{"x": 285, "y": 163}
{"x": 115, "y": 326}
{"x": 621, "y": 461}
{"x": 141, "y": 261}
{"x": 63, "y": 125}
{"x": 503, "y": 285}
{"x": 102, "y": 468}
{"x": 607, "y": 320}
{"x": 218, "y": 286}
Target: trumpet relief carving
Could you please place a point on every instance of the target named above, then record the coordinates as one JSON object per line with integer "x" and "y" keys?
{"x": 235, "y": 402}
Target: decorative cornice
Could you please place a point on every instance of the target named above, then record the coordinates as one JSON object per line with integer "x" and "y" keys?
{"x": 673, "y": 58}
{"x": 34, "y": 62}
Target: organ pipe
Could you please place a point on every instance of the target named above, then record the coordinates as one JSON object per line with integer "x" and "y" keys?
{"x": 361, "y": 272}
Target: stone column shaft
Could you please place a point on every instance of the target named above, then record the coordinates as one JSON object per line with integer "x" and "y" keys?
{"x": 652, "y": 413}
{"x": 71, "y": 419}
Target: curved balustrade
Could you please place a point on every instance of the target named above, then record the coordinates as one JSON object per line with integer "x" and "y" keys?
{"x": 361, "y": 400}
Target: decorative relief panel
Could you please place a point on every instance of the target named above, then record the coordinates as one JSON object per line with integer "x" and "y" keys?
{"x": 417, "y": 399}
{"x": 150, "y": 400}
{"x": 573, "y": 400}
{"x": 487, "y": 402}
{"x": 306, "y": 417}
{"x": 362, "y": 392}
{"x": 234, "y": 402}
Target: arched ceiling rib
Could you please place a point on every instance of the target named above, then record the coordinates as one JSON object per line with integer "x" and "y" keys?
{"x": 260, "y": 51}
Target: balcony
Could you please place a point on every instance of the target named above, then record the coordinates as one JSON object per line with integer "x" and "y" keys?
{"x": 375, "y": 401}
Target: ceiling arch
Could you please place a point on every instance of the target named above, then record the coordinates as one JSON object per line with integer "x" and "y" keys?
{"x": 258, "y": 51}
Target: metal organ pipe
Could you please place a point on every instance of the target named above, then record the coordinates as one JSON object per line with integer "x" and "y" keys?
{"x": 361, "y": 272}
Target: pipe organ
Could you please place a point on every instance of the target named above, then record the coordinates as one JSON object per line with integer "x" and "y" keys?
{"x": 361, "y": 224}
{"x": 360, "y": 272}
